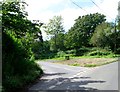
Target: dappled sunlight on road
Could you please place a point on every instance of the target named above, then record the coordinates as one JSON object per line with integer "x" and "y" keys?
{"x": 60, "y": 78}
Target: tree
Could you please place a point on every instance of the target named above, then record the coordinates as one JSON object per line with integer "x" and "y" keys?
{"x": 101, "y": 36}
{"x": 105, "y": 36}
{"x": 59, "y": 42}
{"x": 118, "y": 36}
{"x": 81, "y": 32}
{"x": 18, "y": 33}
{"x": 15, "y": 18}
{"x": 73, "y": 39}
{"x": 54, "y": 28}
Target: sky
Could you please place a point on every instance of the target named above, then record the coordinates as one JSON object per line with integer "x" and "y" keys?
{"x": 44, "y": 10}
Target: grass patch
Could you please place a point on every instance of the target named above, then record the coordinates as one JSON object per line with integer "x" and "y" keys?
{"x": 82, "y": 53}
{"x": 108, "y": 62}
{"x": 87, "y": 62}
{"x": 95, "y": 65}
{"x": 92, "y": 57}
{"x": 90, "y": 65}
{"x": 52, "y": 59}
{"x": 75, "y": 64}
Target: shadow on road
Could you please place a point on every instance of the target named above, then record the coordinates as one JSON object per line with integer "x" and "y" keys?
{"x": 52, "y": 74}
{"x": 61, "y": 83}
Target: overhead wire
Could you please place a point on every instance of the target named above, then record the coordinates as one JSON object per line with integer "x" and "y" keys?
{"x": 95, "y": 5}
{"x": 101, "y": 9}
{"x": 78, "y": 6}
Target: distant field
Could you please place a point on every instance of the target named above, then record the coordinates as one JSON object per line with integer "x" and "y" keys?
{"x": 87, "y": 62}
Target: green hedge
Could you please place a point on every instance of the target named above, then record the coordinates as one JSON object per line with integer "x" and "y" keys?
{"x": 19, "y": 67}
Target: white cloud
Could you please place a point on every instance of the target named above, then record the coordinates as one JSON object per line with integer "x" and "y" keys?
{"x": 39, "y": 9}
{"x": 106, "y": 7}
{"x": 37, "y": 4}
{"x": 110, "y": 8}
{"x": 69, "y": 15}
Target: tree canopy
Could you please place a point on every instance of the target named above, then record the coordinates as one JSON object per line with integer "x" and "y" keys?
{"x": 81, "y": 32}
{"x": 55, "y": 29}
{"x": 18, "y": 33}
{"x": 101, "y": 36}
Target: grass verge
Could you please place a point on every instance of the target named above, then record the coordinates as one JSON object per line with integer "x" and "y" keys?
{"x": 87, "y": 62}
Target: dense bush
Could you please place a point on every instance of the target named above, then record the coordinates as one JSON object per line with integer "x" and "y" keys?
{"x": 78, "y": 52}
{"x": 45, "y": 55}
{"x": 82, "y": 51}
{"x": 99, "y": 52}
{"x": 19, "y": 67}
{"x": 71, "y": 51}
{"x": 60, "y": 54}
{"x": 18, "y": 33}
{"x": 118, "y": 51}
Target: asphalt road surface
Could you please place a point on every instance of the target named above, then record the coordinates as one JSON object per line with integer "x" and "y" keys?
{"x": 64, "y": 77}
